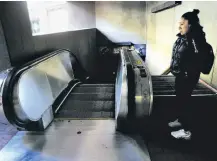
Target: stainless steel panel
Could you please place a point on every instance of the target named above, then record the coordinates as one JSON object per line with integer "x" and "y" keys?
{"x": 97, "y": 141}
{"x": 40, "y": 85}
{"x": 143, "y": 87}
{"x": 142, "y": 99}
{"x": 58, "y": 73}
{"x": 3, "y": 76}
{"x": 34, "y": 94}
{"x": 121, "y": 89}
{"x": 47, "y": 117}
{"x": 17, "y": 106}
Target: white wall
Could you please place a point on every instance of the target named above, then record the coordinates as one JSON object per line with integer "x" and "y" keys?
{"x": 81, "y": 15}
{"x": 122, "y": 21}
{"x": 162, "y": 28}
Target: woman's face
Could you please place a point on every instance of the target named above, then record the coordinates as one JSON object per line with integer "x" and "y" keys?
{"x": 183, "y": 26}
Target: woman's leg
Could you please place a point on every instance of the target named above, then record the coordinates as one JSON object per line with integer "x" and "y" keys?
{"x": 178, "y": 104}
{"x": 180, "y": 83}
{"x": 185, "y": 99}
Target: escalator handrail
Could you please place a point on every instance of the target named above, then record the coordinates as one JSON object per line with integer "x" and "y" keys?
{"x": 131, "y": 86}
{"x": 13, "y": 76}
{"x": 128, "y": 69}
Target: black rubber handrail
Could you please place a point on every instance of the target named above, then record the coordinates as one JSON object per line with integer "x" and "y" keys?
{"x": 131, "y": 87}
{"x": 13, "y": 76}
{"x": 130, "y": 84}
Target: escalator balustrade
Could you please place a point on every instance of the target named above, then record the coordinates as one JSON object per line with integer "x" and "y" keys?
{"x": 54, "y": 87}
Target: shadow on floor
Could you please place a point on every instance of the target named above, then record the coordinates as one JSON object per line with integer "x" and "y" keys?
{"x": 202, "y": 121}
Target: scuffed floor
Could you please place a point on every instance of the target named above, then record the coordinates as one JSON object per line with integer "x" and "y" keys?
{"x": 7, "y": 131}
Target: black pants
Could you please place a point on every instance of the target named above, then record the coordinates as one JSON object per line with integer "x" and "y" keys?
{"x": 184, "y": 86}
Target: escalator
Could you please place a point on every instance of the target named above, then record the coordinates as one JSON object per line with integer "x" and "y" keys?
{"x": 164, "y": 86}
{"x": 164, "y": 94}
{"x": 164, "y": 100}
{"x": 56, "y": 87}
{"x": 89, "y": 101}
{"x": 63, "y": 114}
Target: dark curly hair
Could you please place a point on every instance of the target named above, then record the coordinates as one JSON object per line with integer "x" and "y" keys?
{"x": 196, "y": 30}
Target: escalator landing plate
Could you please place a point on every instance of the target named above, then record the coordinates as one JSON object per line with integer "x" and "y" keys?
{"x": 75, "y": 140}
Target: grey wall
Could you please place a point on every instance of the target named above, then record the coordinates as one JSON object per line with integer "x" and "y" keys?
{"x": 22, "y": 46}
{"x": 17, "y": 29}
{"x": 122, "y": 21}
{"x": 117, "y": 21}
{"x": 81, "y": 42}
{"x": 4, "y": 55}
{"x": 81, "y": 15}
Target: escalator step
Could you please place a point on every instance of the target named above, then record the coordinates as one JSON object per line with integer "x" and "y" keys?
{"x": 87, "y": 109}
{"x": 89, "y": 101}
{"x": 93, "y": 97}
{"x": 95, "y": 106}
{"x": 85, "y": 115}
{"x": 96, "y": 85}
{"x": 101, "y": 90}
{"x": 165, "y": 85}
{"x": 172, "y": 92}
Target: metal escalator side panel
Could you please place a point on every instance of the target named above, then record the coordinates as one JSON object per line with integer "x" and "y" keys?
{"x": 34, "y": 95}
{"x": 9, "y": 83}
{"x": 150, "y": 89}
{"x": 44, "y": 90}
{"x": 7, "y": 98}
{"x": 141, "y": 95}
{"x": 121, "y": 89}
{"x": 143, "y": 86}
{"x": 3, "y": 76}
{"x": 32, "y": 92}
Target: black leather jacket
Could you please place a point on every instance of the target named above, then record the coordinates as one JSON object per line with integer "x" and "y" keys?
{"x": 184, "y": 59}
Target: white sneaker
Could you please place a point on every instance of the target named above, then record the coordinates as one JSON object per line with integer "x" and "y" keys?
{"x": 181, "y": 134}
{"x": 175, "y": 123}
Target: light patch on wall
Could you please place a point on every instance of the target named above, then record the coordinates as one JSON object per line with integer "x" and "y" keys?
{"x": 156, "y": 61}
{"x": 118, "y": 34}
{"x": 48, "y": 17}
{"x": 122, "y": 21}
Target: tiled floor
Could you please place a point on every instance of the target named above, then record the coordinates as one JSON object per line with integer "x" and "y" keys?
{"x": 7, "y": 131}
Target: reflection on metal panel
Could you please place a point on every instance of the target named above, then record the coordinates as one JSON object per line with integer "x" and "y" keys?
{"x": 97, "y": 141}
{"x": 59, "y": 72}
{"x": 40, "y": 85}
{"x": 3, "y": 76}
{"x": 47, "y": 117}
{"x": 34, "y": 93}
{"x": 121, "y": 94}
{"x": 17, "y": 106}
{"x": 143, "y": 86}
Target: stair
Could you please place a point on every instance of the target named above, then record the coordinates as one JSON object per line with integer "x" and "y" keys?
{"x": 89, "y": 101}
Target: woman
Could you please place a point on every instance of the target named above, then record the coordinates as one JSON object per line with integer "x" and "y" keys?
{"x": 185, "y": 67}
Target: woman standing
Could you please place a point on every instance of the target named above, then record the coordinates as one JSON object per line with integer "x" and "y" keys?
{"x": 185, "y": 67}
